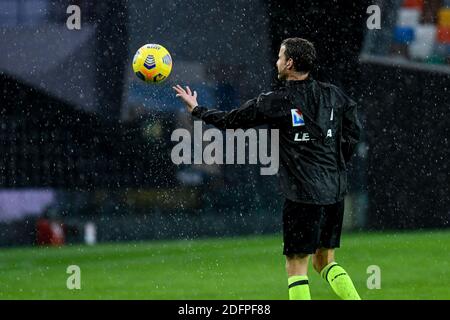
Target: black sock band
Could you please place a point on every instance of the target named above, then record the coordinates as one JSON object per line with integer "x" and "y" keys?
{"x": 298, "y": 283}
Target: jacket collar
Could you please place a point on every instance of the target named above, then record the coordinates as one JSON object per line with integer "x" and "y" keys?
{"x": 291, "y": 83}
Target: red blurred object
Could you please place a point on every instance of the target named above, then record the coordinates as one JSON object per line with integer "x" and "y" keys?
{"x": 49, "y": 233}
{"x": 443, "y": 35}
{"x": 413, "y": 4}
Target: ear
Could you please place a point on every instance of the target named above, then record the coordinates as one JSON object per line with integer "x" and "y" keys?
{"x": 290, "y": 63}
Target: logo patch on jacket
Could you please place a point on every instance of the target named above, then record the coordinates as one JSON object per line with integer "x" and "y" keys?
{"x": 297, "y": 118}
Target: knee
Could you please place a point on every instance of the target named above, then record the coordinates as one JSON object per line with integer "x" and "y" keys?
{"x": 321, "y": 259}
{"x": 295, "y": 259}
{"x": 297, "y": 264}
{"x": 318, "y": 263}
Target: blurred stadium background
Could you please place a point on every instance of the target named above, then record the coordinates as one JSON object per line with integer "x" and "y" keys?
{"x": 85, "y": 146}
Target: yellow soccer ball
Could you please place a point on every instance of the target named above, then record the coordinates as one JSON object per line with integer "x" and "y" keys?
{"x": 152, "y": 63}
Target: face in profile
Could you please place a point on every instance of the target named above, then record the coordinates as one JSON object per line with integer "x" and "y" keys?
{"x": 281, "y": 64}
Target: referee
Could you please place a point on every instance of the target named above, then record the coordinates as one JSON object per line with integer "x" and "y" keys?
{"x": 319, "y": 130}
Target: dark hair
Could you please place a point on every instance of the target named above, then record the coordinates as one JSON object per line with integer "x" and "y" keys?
{"x": 302, "y": 53}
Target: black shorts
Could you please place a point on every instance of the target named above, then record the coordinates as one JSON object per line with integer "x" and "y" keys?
{"x": 307, "y": 227}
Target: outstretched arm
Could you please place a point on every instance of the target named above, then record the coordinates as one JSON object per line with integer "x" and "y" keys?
{"x": 250, "y": 114}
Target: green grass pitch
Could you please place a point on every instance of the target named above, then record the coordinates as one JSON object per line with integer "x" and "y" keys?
{"x": 414, "y": 265}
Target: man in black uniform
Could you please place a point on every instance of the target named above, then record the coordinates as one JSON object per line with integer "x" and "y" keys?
{"x": 319, "y": 130}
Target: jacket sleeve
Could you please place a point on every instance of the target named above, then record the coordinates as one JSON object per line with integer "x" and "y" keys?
{"x": 351, "y": 130}
{"x": 250, "y": 114}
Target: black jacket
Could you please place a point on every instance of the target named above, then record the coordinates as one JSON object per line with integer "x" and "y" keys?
{"x": 319, "y": 130}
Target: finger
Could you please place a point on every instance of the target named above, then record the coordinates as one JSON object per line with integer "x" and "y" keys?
{"x": 180, "y": 88}
{"x": 188, "y": 90}
{"x": 195, "y": 94}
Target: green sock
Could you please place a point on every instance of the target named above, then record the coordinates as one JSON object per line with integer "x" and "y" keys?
{"x": 299, "y": 288}
{"x": 340, "y": 281}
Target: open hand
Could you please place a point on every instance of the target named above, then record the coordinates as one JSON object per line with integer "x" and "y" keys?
{"x": 189, "y": 98}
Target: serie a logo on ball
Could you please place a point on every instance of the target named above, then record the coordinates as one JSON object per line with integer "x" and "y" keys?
{"x": 152, "y": 63}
